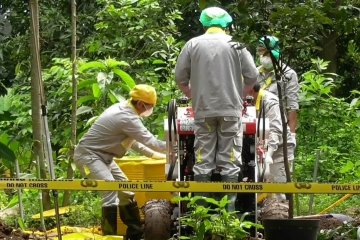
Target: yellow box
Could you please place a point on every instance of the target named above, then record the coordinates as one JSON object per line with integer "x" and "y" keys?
{"x": 142, "y": 168}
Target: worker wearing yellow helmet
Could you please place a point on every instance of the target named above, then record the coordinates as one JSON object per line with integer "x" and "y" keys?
{"x": 115, "y": 131}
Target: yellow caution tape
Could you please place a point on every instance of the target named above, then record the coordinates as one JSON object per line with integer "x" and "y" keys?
{"x": 88, "y": 236}
{"x": 66, "y": 230}
{"x": 178, "y": 186}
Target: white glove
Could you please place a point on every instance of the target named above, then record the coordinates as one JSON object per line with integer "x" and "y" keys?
{"x": 268, "y": 162}
{"x": 157, "y": 155}
{"x": 268, "y": 156}
{"x": 267, "y": 171}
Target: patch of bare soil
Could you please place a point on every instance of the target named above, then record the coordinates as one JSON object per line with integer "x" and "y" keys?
{"x": 7, "y": 232}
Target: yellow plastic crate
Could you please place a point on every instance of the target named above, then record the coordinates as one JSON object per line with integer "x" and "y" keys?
{"x": 142, "y": 168}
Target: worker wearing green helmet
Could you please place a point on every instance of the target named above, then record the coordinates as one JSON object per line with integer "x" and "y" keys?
{"x": 213, "y": 72}
{"x": 289, "y": 79}
{"x": 215, "y": 16}
{"x": 272, "y": 43}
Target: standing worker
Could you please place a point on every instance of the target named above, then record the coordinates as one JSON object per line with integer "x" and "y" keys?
{"x": 214, "y": 71}
{"x": 116, "y": 130}
{"x": 274, "y": 157}
{"x": 289, "y": 80}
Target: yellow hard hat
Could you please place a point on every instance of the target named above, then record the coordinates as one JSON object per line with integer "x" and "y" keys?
{"x": 144, "y": 93}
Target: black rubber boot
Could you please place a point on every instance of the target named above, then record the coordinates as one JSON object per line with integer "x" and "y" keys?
{"x": 202, "y": 178}
{"x": 109, "y": 220}
{"x": 231, "y": 196}
{"x": 130, "y": 216}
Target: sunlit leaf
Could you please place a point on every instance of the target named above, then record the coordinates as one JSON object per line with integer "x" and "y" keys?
{"x": 347, "y": 167}
{"x": 83, "y": 109}
{"x": 92, "y": 65}
{"x": 111, "y": 63}
{"x": 125, "y": 77}
{"x": 96, "y": 90}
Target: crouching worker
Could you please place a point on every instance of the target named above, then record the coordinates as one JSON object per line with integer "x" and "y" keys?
{"x": 274, "y": 158}
{"x": 116, "y": 130}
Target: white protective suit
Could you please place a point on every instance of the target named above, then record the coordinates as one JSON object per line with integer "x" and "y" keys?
{"x": 275, "y": 142}
{"x": 117, "y": 129}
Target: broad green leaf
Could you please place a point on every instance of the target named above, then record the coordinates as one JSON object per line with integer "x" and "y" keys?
{"x": 112, "y": 97}
{"x": 6, "y": 153}
{"x": 84, "y": 99}
{"x": 125, "y": 77}
{"x": 158, "y": 61}
{"x": 86, "y": 83}
{"x": 115, "y": 97}
{"x": 83, "y": 109}
{"x": 92, "y": 65}
{"x": 13, "y": 202}
{"x": 5, "y": 103}
{"x": 21, "y": 223}
{"x": 111, "y": 63}
{"x": 96, "y": 90}
{"x": 347, "y": 167}
{"x": 353, "y": 102}
{"x": 91, "y": 121}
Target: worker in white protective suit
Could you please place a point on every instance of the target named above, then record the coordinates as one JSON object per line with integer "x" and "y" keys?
{"x": 214, "y": 70}
{"x": 115, "y": 131}
{"x": 274, "y": 158}
{"x": 289, "y": 80}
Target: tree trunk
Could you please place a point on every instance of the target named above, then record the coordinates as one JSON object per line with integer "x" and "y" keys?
{"x": 36, "y": 95}
{"x": 70, "y": 171}
{"x": 329, "y": 52}
{"x": 279, "y": 70}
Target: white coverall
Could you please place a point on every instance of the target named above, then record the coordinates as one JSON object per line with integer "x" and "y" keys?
{"x": 275, "y": 142}
{"x": 215, "y": 72}
{"x": 117, "y": 129}
{"x": 289, "y": 85}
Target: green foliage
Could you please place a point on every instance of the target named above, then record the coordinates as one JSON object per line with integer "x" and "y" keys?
{"x": 6, "y": 153}
{"x": 324, "y": 201}
{"x": 88, "y": 214}
{"x": 215, "y": 221}
{"x": 316, "y": 83}
{"x": 15, "y": 125}
{"x": 343, "y": 232}
{"x": 331, "y": 128}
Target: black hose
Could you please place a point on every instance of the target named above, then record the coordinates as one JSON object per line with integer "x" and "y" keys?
{"x": 171, "y": 125}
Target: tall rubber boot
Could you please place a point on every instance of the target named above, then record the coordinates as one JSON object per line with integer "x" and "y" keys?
{"x": 202, "y": 178}
{"x": 109, "y": 220}
{"x": 231, "y": 196}
{"x": 130, "y": 216}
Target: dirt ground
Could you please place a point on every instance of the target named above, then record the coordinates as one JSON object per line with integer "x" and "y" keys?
{"x": 8, "y": 233}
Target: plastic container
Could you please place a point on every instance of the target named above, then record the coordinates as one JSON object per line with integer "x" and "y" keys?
{"x": 294, "y": 229}
{"x": 142, "y": 168}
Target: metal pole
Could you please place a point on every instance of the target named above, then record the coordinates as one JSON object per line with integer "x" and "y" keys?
{"x": 316, "y": 167}
{"x": 21, "y": 208}
{"x": 40, "y": 197}
{"x": 51, "y": 169}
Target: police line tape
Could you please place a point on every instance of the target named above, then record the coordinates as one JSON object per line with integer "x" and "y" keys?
{"x": 178, "y": 186}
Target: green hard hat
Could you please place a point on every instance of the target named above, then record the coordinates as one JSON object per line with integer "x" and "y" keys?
{"x": 271, "y": 43}
{"x": 215, "y": 16}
